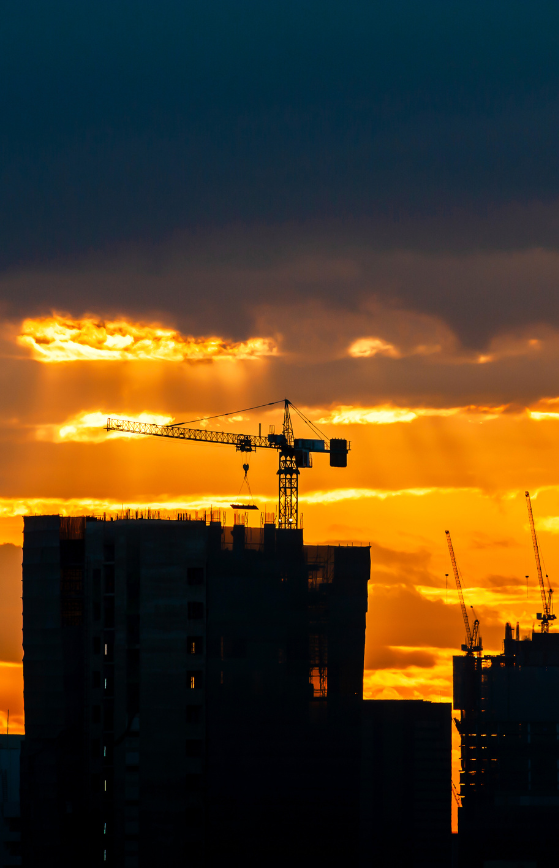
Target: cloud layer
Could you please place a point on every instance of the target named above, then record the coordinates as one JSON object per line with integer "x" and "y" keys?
{"x": 61, "y": 339}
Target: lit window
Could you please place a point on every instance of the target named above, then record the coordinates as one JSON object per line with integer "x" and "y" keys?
{"x": 192, "y": 682}
{"x": 104, "y": 855}
{"x": 105, "y": 750}
{"x": 318, "y": 679}
{"x": 105, "y": 786}
{"x": 104, "y": 828}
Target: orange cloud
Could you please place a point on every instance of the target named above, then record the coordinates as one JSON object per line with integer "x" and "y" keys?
{"x": 386, "y": 414}
{"x": 62, "y": 339}
{"x": 367, "y": 347}
{"x": 91, "y": 427}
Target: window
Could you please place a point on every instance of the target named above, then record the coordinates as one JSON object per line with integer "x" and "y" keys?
{"x": 194, "y": 680}
{"x": 193, "y": 713}
{"x": 109, "y": 612}
{"x": 95, "y": 747}
{"x": 96, "y": 645}
{"x": 195, "y": 611}
{"x": 194, "y": 747}
{"x": 71, "y": 580}
{"x": 71, "y": 610}
{"x": 96, "y": 611}
{"x": 96, "y": 713}
{"x": 96, "y": 679}
{"x": 318, "y": 679}
{"x": 109, "y": 572}
{"x": 109, "y": 552}
{"x": 195, "y": 645}
{"x": 195, "y": 575}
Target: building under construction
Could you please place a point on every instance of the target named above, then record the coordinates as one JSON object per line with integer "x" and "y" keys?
{"x": 191, "y": 691}
{"x": 509, "y": 732}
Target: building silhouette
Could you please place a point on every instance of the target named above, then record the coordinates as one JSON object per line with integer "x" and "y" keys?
{"x": 406, "y": 784}
{"x": 193, "y": 694}
{"x": 10, "y": 819}
{"x": 509, "y": 730}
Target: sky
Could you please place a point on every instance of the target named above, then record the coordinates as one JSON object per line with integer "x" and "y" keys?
{"x": 209, "y": 206}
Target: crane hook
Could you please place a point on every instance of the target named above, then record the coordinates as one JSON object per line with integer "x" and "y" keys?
{"x": 245, "y": 468}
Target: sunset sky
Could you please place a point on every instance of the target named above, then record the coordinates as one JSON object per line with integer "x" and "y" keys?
{"x": 209, "y": 206}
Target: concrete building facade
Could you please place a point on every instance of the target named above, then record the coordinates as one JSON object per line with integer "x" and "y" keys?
{"x": 191, "y": 691}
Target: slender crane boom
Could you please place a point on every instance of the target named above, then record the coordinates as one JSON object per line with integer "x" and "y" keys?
{"x": 294, "y": 453}
{"x": 473, "y": 639}
{"x": 547, "y": 595}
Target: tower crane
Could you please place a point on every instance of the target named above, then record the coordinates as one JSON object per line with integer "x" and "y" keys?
{"x": 473, "y": 639}
{"x": 294, "y": 453}
{"x": 547, "y": 595}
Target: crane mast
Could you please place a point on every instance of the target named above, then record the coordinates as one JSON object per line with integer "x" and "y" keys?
{"x": 294, "y": 453}
{"x": 473, "y": 639}
{"x": 547, "y": 596}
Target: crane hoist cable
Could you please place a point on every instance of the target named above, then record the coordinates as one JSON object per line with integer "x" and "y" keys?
{"x": 294, "y": 453}
{"x": 473, "y": 639}
{"x": 547, "y": 595}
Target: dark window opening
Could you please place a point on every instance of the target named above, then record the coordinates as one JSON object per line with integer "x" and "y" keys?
{"x": 96, "y": 611}
{"x": 132, "y": 629}
{"x": 95, "y": 748}
{"x": 96, "y": 713}
{"x": 109, "y": 572}
{"x": 96, "y": 679}
{"x": 96, "y": 645}
{"x": 109, "y": 552}
{"x": 195, "y": 575}
{"x": 194, "y": 747}
{"x": 109, "y": 612}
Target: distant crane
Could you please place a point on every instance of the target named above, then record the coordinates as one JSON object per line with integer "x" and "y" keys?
{"x": 473, "y": 639}
{"x": 547, "y": 595}
{"x": 456, "y": 795}
{"x": 294, "y": 453}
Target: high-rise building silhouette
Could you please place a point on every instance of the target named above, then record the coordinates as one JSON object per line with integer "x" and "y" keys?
{"x": 192, "y": 694}
{"x": 509, "y": 730}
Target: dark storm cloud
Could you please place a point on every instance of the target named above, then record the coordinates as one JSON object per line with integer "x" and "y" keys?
{"x": 315, "y": 126}
{"x": 132, "y": 119}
